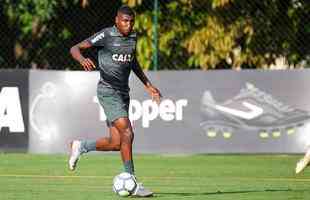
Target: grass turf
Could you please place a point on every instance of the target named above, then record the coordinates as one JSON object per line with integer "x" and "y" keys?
{"x": 231, "y": 177}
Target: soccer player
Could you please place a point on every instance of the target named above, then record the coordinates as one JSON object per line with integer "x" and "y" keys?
{"x": 116, "y": 48}
{"x": 304, "y": 162}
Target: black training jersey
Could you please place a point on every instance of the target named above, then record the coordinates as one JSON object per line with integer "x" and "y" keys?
{"x": 116, "y": 55}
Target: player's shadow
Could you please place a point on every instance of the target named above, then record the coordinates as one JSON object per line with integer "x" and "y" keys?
{"x": 184, "y": 194}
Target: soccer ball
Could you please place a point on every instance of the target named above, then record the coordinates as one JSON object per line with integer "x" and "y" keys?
{"x": 124, "y": 184}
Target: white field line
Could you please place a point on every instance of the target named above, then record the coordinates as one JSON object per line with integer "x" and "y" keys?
{"x": 293, "y": 179}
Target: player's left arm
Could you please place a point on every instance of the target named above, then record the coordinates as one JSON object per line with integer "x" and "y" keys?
{"x": 151, "y": 89}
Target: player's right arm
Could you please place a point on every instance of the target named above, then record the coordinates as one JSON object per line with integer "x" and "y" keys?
{"x": 76, "y": 53}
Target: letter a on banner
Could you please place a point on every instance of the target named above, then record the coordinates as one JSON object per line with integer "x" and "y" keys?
{"x": 10, "y": 110}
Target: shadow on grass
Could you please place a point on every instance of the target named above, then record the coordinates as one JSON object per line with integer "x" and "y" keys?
{"x": 225, "y": 192}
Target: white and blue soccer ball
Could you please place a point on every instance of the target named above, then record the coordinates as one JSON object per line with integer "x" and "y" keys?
{"x": 124, "y": 184}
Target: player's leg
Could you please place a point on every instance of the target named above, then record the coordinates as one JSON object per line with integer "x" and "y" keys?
{"x": 109, "y": 100}
{"x": 124, "y": 127}
{"x": 111, "y": 143}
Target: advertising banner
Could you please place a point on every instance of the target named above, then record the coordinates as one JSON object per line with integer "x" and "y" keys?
{"x": 221, "y": 111}
{"x": 13, "y": 111}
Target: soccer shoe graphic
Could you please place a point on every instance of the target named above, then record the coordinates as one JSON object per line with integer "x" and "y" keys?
{"x": 251, "y": 109}
{"x": 75, "y": 154}
{"x": 142, "y": 191}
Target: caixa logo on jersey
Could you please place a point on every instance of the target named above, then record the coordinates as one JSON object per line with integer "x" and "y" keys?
{"x": 168, "y": 110}
{"x": 11, "y": 116}
{"x": 122, "y": 58}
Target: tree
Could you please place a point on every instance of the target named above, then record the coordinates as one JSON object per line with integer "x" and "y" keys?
{"x": 29, "y": 32}
{"x": 225, "y": 33}
{"x": 39, "y": 33}
{"x": 193, "y": 34}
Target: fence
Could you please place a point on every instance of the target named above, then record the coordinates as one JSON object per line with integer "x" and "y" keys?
{"x": 174, "y": 34}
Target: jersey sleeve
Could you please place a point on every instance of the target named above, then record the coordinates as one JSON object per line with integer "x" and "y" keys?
{"x": 135, "y": 64}
{"x": 97, "y": 39}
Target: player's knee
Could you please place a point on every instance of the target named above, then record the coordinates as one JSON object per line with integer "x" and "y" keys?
{"x": 127, "y": 136}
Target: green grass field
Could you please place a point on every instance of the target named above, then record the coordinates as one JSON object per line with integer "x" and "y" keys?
{"x": 231, "y": 177}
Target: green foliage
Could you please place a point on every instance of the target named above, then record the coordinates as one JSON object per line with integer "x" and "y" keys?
{"x": 143, "y": 26}
{"x": 227, "y": 33}
{"x": 27, "y": 12}
{"x": 132, "y": 3}
{"x": 33, "y": 22}
{"x": 192, "y": 34}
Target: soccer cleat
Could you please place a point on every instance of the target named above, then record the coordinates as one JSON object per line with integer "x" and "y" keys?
{"x": 74, "y": 154}
{"x": 251, "y": 109}
{"x": 142, "y": 191}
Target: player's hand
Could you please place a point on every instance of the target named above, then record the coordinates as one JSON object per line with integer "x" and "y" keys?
{"x": 87, "y": 64}
{"x": 154, "y": 93}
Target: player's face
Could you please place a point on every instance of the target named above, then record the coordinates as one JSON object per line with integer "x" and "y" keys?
{"x": 124, "y": 23}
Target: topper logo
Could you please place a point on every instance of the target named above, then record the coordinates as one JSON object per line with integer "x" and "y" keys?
{"x": 11, "y": 110}
{"x": 148, "y": 110}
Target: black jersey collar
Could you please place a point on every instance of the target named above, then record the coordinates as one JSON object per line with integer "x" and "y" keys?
{"x": 115, "y": 32}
